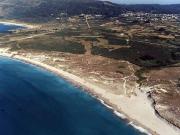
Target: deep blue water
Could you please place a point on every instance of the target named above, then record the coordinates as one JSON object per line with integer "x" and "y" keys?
{"x": 7, "y": 28}
{"x": 36, "y": 102}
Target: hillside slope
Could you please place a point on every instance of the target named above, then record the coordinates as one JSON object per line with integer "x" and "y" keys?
{"x": 45, "y": 8}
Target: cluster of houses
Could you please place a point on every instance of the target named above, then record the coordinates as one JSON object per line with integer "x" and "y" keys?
{"x": 150, "y": 17}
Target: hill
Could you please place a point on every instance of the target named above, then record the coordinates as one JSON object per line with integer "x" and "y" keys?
{"x": 45, "y": 8}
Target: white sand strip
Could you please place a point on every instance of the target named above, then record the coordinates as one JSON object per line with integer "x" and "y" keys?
{"x": 137, "y": 108}
{"x": 18, "y": 24}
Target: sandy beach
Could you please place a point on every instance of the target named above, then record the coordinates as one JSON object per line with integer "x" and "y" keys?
{"x": 22, "y": 24}
{"x": 137, "y": 109}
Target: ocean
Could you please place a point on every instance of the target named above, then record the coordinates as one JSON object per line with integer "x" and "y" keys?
{"x": 34, "y": 101}
{"x": 5, "y": 28}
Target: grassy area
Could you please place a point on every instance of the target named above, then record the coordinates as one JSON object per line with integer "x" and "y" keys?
{"x": 114, "y": 40}
{"x": 141, "y": 55}
{"x": 51, "y": 44}
{"x": 90, "y": 39}
{"x": 67, "y": 33}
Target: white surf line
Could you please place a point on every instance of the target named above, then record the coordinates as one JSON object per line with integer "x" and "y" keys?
{"x": 16, "y": 24}
{"x": 117, "y": 113}
{"x": 11, "y": 23}
{"x": 122, "y": 116}
{"x": 141, "y": 129}
{"x": 159, "y": 128}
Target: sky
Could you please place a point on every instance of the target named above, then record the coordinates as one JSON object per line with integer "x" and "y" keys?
{"x": 146, "y": 1}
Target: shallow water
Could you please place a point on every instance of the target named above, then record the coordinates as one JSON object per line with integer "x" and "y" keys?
{"x": 36, "y": 102}
{"x": 7, "y": 28}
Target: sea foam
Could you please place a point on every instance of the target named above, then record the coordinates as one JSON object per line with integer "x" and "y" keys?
{"x": 115, "y": 112}
{"x": 102, "y": 102}
{"x": 139, "y": 128}
{"x": 120, "y": 114}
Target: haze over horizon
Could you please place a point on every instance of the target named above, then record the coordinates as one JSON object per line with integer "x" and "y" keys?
{"x": 146, "y": 1}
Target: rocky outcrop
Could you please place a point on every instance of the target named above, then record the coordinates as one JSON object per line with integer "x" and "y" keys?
{"x": 165, "y": 93}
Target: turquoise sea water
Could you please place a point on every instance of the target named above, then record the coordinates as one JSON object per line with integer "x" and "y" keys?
{"x": 34, "y": 101}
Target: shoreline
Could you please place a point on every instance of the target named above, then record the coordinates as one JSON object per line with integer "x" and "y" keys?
{"x": 17, "y": 23}
{"x": 127, "y": 120}
{"x": 136, "y": 125}
{"x": 99, "y": 93}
